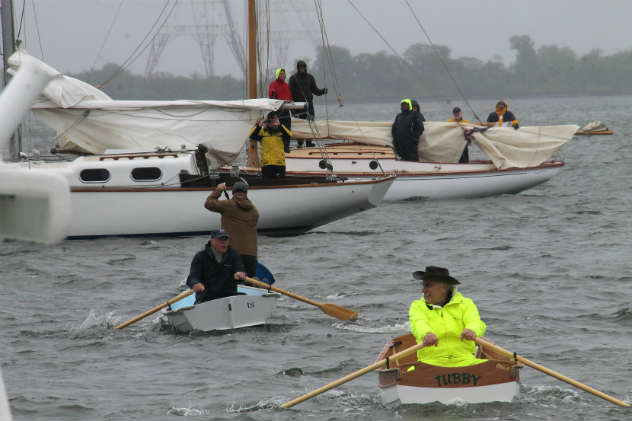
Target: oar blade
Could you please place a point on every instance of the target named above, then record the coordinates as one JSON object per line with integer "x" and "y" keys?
{"x": 339, "y": 312}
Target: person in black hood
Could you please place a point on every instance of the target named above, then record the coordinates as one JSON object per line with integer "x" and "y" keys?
{"x": 215, "y": 270}
{"x": 406, "y": 131}
{"x": 303, "y": 87}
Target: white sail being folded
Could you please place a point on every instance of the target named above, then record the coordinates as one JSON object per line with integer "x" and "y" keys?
{"x": 444, "y": 142}
{"x": 87, "y": 120}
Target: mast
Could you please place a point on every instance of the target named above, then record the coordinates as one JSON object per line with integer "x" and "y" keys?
{"x": 8, "y": 48}
{"x": 253, "y": 153}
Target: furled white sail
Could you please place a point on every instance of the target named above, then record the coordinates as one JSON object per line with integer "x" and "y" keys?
{"x": 444, "y": 142}
{"x": 87, "y": 120}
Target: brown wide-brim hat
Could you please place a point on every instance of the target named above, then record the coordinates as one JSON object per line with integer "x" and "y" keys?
{"x": 435, "y": 274}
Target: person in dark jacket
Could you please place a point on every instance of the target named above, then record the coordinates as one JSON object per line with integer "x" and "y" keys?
{"x": 303, "y": 87}
{"x": 406, "y": 131}
{"x": 215, "y": 270}
{"x": 417, "y": 109}
{"x": 503, "y": 117}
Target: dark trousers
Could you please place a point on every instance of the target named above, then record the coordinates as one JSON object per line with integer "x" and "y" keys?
{"x": 305, "y": 115}
{"x": 250, "y": 262}
{"x": 286, "y": 120}
{"x": 465, "y": 156}
{"x": 272, "y": 171}
{"x": 407, "y": 150}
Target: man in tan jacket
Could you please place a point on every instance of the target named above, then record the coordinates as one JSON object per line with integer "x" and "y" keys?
{"x": 239, "y": 218}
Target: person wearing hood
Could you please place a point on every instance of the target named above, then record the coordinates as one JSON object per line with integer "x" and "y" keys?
{"x": 279, "y": 89}
{"x": 239, "y": 218}
{"x": 272, "y": 135}
{"x": 406, "y": 131}
{"x": 216, "y": 269}
{"x": 417, "y": 109}
{"x": 303, "y": 87}
{"x": 503, "y": 117}
{"x": 457, "y": 117}
{"x": 445, "y": 321}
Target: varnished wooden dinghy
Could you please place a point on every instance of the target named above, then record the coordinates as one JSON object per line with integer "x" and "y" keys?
{"x": 491, "y": 381}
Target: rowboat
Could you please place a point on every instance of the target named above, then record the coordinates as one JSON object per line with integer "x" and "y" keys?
{"x": 253, "y": 307}
{"x": 493, "y": 381}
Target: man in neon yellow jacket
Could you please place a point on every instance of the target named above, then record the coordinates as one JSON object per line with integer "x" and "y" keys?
{"x": 445, "y": 321}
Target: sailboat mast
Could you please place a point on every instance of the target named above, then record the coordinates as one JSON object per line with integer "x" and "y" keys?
{"x": 252, "y": 49}
{"x": 8, "y": 48}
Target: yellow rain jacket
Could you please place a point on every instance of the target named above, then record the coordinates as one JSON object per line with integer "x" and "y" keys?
{"x": 272, "y": 152}
{"x": 447, "y": 323}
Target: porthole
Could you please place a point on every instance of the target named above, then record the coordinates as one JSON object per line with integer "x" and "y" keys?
{"x": 146, "y": 174}
{"x": 94, "y": 175}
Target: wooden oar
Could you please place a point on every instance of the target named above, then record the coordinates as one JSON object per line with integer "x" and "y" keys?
{"x": 155, "y": 309}
{"x": 349, "y": 377}
{"x": 333, "y": 310}
{"x": 484, "y": 344}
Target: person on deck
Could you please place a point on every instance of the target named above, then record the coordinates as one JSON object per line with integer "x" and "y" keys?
{"x": 417, "y": 109}
{"x": 303, "y": 87}
{"x": 272, "y": 135}
{"x": 215, "y": 270}
{"x": 502, "y": 116}
{"x": 279, "y": 89}
{"x": 457, "y": 117}
{"x": 445, "y": 321}
{"x": 239, "y": 218}
{"x": 406, "y": 131}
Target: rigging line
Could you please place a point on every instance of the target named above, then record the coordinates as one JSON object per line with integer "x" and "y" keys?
{"x": 37, "y": 30}
{"x": 321, "y": 23}
{"x": 414, "y": 69}
{"x": 130, "y": 59}
{"x": 107, "y": 35}
{"x": 445, "y": 65}
{"x": 21, "y": 20}
{"x": 330, "y": 56}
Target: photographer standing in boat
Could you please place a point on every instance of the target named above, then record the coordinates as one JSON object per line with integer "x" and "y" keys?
{"x": 445, "y": 321}
{"x": 406, "y": 131}
{"x": 215, "y": 270}
{"x": 272, "y": 135}
{"x": 239, "y": 218}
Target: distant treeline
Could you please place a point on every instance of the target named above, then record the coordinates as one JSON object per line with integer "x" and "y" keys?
{"x": 546, "y": 71}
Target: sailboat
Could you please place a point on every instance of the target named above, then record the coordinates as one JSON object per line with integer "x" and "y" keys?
{"x": 146, "y": 167}
{"x": 518, "y": 159}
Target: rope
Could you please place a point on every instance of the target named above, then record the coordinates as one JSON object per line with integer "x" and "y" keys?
{"x": 138, "y": 50}
{"x": 21, "y": 19}
{"x": 37, "y": 30}
{"x": 107, "y": 35}
{"x": 445, "y": 66}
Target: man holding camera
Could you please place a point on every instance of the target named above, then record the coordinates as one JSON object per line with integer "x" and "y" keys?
{"x": 272, "y": 135}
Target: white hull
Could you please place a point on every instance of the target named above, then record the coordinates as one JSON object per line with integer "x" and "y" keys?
{"x": 292, "y": 209}
{"x": 222, "y": 314}
{"x": 435, "y": 180}
{"x": 504, "y": 392}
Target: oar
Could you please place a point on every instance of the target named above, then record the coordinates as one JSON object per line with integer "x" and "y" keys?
{"x": 484, "y": 344}
{"x": 352, "y": 376}
{"x": 155, "y": 309}
{"x": 334, "y": 310}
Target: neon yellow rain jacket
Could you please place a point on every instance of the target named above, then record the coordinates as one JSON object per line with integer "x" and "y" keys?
{"x": 447, "y": 323}
{"x": 272, "y": 152}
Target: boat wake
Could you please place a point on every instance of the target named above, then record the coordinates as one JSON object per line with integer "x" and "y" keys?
{"x": 94, "y": 322}
{"x": 356, "y": 327}
{"x": 549, "y": 395}
{"x": 187, "y": 412}
{"x": 270, "y": 403}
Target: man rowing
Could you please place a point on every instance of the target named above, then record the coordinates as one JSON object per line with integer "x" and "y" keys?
{"x": 445, "y": 321}
{"x": 215, "y": 270}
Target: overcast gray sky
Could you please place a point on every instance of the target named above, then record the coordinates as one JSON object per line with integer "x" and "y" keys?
{"x": 72, "y": 32}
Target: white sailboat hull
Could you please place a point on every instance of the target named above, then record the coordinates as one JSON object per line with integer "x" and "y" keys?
{"x": 222, "y": 314}
{"x": 434, "y": 180}
{"x": 288, "y": 210}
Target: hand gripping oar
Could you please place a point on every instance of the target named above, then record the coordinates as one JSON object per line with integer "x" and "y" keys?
{"x": 487, "y": 345}
{"x": 155, "y": 309}
{"x": 349, "y": 377}
{"x": 334, "y": 310}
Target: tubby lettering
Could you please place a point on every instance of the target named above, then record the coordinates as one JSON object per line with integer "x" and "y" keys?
{"x": 457, "y": 378}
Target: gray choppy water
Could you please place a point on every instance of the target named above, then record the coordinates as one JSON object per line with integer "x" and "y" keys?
{"x": 549, "y": 269}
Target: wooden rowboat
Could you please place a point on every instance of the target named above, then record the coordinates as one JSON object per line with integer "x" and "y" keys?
{"x": 493, "y": 381}
{"x": 254, "y": 307}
